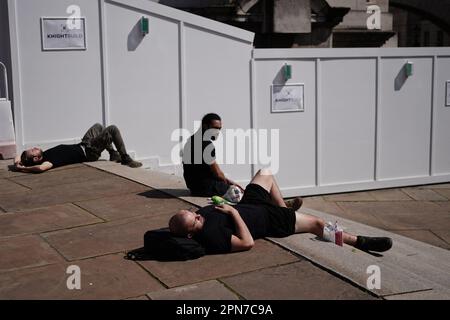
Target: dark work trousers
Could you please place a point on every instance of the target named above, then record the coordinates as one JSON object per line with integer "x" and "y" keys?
{"x": 99, "y": 138}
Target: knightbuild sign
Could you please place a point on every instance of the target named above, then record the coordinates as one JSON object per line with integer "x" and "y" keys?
{"x": 59, "y": 34}
{"x": 288, "y": 98}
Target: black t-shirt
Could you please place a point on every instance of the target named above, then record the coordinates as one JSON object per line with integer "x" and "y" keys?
{"x": 218, "y": 227}
{"x": 64, "y": 154}
{"x": 197, "y": 162}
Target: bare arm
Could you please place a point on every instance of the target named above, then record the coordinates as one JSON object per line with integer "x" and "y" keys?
{"x": 219, "y": 174}
{"x": 35, "y": 169}
{"x": 17, "y": 160}
{"x": 243, "y": 239}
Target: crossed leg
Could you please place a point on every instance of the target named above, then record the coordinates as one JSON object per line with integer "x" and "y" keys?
{"x": 101, "y": 138}
{"x": 303, "y": 223}
{"x": 93, "y": 133}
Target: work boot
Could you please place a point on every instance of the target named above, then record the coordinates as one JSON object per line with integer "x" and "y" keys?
{"x": 115, "y": 156}
{"x": 294, "y": 204}
{"x": 127, "y": 161}
{"x": 373, "y": 244}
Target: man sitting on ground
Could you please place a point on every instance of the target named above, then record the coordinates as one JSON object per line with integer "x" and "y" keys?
{"x": 262, "y": 212}
{"x": 94, "y": 142}
{"x": 201, "y": 172}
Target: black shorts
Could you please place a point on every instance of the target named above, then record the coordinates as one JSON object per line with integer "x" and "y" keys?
{"x": 209, "y": 188}
{"x": 280, "y": 220}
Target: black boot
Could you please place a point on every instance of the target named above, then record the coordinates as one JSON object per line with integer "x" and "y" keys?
{"x": 115, "y": 156}
{"x": 373, "y": 244}
{"x": 127, "y": 161}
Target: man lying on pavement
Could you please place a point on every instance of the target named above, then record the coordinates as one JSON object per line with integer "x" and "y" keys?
{"x": 262, "y": 212}
{"x": 94, "y": 142}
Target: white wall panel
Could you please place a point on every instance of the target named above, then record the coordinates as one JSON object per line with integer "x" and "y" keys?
{"x": 297, "y": 153}
{"x": 404, "y": 119}
{"x": 143, "y": 80}
{"x": 441, "y": 119}
{"x": 61, "y": 90}
{"x": 218, "y": 80}
{"x": 347, "y": 120}
{"x": 374, "y": 126}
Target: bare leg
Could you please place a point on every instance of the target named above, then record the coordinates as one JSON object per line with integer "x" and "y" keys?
{"x": 265, "y": 179}
{"x": 309, "y": 224}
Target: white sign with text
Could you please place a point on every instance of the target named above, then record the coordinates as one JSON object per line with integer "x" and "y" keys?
{"x": 59, "y": 34}
{"x": 288, "y": 98}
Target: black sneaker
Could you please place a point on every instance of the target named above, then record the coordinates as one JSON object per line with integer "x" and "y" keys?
{"x": 373, "y": 243}
{"x": 115, "y": 156}
{"x": 127, "y": 161}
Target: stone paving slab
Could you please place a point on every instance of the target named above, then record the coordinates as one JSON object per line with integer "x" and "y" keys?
{"x": 5, "y": 171}
{"x": 104, "y": 238}
{"x": 405, "y": 215}
{"x": 444, "y": 205}
{"x": 409, "y": 266}
{"x": 424, "y": 194}
{"x": 443, "y": 234}
{"x": 420, "y": 257}
{"x": 107, "y": 277}
{"x": 295, "y": 281}
{"x": 143, "y": 176}
{"x": 390, "y": 195}
{"x": 44, "y": 219}
{"x": 6, "y": 166}
{"x": 421, "y": 295}
{"x": 444, "y": 193}
{"x": 354, "y": 196}
{"x": 424, "y": 236}
{"x": 208, "y": 290}
{"x": 25, "y": 252}
{"x": 436, "y": 186}
{"x": 164, "y": 182}
{"x": 356, "y": 215}
{"x": 318, "y": 203}
{"x": 148, "y": 203}
{"x": 69, "y": 193}
{"x": 54, "y": 178}
{"x": 139, "y": 298}
{"x": 173, "y": 274}
{"x": 352, "y": 265}
{"x": 8, "y": 187}
{"x": 68, "y": 167}
{"x": 412, "y": 221}
{"x": 393, "y": 207}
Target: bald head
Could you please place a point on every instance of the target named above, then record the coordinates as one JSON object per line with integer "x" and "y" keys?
{"x": 185, "y": 223}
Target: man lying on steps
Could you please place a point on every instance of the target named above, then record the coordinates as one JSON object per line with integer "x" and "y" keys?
{"x": 94, "y": 142}
{"x": 262, "y": 212}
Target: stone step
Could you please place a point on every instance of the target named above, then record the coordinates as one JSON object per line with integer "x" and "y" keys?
{"x": 410, "y": 266}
